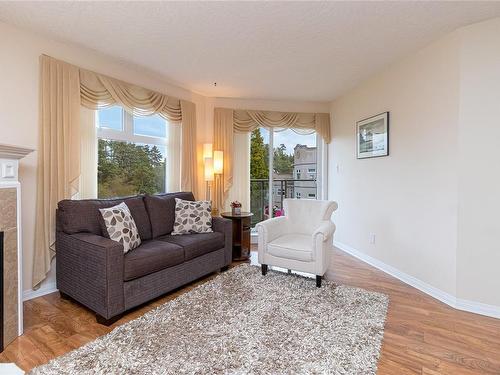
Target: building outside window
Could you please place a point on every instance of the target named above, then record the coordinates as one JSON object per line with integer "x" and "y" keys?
{"x": 304, "y": 164}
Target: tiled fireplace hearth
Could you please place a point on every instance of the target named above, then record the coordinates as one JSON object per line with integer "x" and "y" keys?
{"x": 11, "y": 312}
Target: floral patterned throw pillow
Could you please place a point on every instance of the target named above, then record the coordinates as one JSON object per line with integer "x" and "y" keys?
{"x": 120, "y": 226}
{"x": 192, "y": 217}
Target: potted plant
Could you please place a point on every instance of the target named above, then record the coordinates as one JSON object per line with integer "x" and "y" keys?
{"x": 236, "y": 208}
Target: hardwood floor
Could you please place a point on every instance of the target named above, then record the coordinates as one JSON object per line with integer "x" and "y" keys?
{"x": 422, "y": 336}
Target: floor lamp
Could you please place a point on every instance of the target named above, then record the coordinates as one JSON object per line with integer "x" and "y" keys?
{"x": 218, "y": 164}
{"x": 209, "y": 177}
{"x": 209, "y": 169}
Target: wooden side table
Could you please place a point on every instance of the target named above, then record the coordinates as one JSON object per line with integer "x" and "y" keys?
{"x": 241, "y": 234}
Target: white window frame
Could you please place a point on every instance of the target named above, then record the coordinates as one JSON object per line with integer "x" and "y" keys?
{"x": 127, "y": 134}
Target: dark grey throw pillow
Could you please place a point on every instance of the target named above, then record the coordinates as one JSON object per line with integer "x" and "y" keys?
{"x": 192, "y": 217}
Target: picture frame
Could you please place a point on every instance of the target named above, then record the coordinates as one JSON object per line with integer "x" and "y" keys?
{"x": 372, "y": 136}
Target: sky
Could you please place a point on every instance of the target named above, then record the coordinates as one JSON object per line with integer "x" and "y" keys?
{"x": 290, "y": 139}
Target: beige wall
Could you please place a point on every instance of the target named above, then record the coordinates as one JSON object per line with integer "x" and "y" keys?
{"x": 408, "y": 199}
{"x": 19, "y": 52}
{"x": 433, "y": 204}
{"x": 478, "y": 255}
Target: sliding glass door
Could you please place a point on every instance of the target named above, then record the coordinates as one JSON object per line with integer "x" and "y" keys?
{"x": 291, "y": 169}
{"x": 259, "y": 174}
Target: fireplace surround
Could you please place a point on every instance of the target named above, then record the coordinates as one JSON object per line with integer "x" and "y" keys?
{"x": 11, "y": 309}
{"x": 1, "y": 293}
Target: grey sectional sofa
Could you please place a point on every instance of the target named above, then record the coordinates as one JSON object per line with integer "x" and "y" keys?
{"x": 93, "y": 270}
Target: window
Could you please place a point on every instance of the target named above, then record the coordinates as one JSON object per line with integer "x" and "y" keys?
{"x": 131, "y": 153}
{"x": 282, "y": 160}
{"x": 111, "y": 118}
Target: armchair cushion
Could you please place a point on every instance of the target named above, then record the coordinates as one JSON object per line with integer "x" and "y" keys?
{"x": 292, "y": 246}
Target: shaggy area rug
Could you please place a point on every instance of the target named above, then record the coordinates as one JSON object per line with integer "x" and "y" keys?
{"x": 243, "y": 323}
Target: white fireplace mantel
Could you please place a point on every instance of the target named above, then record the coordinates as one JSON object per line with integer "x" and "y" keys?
{"x": 10, "y": 207}
{"x": 9, "y": 161}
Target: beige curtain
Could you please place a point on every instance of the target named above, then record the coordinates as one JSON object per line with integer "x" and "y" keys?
{"x": 88, "y": 154}
{"x": 229, "y": 121}
{"x": 223, "y": 141}
{"x": 62, "y": 88}
{"x": 58, "y": 154}
{"x": 99, "y": 91}
{"x": 247, "y": 121}
{"x": 189, "y": 162}
{"x": 240, "y": 188}
{"x": 173, "y": 157}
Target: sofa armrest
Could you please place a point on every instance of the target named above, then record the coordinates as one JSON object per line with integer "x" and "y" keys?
{"x": 225, "y": 226}
{"x": 90, "y": 270}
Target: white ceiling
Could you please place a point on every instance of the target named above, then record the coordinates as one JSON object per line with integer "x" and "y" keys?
{"x": 271, "y": 50}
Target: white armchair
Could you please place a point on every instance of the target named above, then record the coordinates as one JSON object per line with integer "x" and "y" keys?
{"x": 301, "y": 240}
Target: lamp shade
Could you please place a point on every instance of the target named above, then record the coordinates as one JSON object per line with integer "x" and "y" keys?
{"x": 218, "y": 162}
{"x": 207, "y": 150}
{"x": 209, "y": 169}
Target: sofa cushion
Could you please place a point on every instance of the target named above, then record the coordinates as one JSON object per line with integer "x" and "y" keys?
{"x": 292, "y": 246}
{"x": 196, "y": 244}
{"x": 151, "y": 256}
{"x": 76, "y": 216}
{"x": 161, "y": 209}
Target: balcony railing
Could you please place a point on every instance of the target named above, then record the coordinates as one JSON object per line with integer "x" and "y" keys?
{"x": 281, "y": 189}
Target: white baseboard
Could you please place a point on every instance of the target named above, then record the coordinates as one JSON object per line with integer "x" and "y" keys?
{"x": 478, "y": 308}
{"x": 449, "y": 299}
{"x": 45, "y": 289}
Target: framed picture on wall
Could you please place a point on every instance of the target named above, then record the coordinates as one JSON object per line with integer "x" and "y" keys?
{"x": 373, "y": 136}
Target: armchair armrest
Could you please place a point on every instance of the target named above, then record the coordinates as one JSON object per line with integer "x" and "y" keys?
{"x": 90, "y": 269}
{"x": 225, "y": 226}
{"x": 325, "y": 230}
{"x": 271, "y": 229}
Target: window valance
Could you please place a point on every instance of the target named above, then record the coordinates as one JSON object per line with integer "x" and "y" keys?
{"x": 63, "y": 88}
{"x": 98, "y": 91}
{"x": 228, "y": 121}
{"x": 247, "y": 121}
